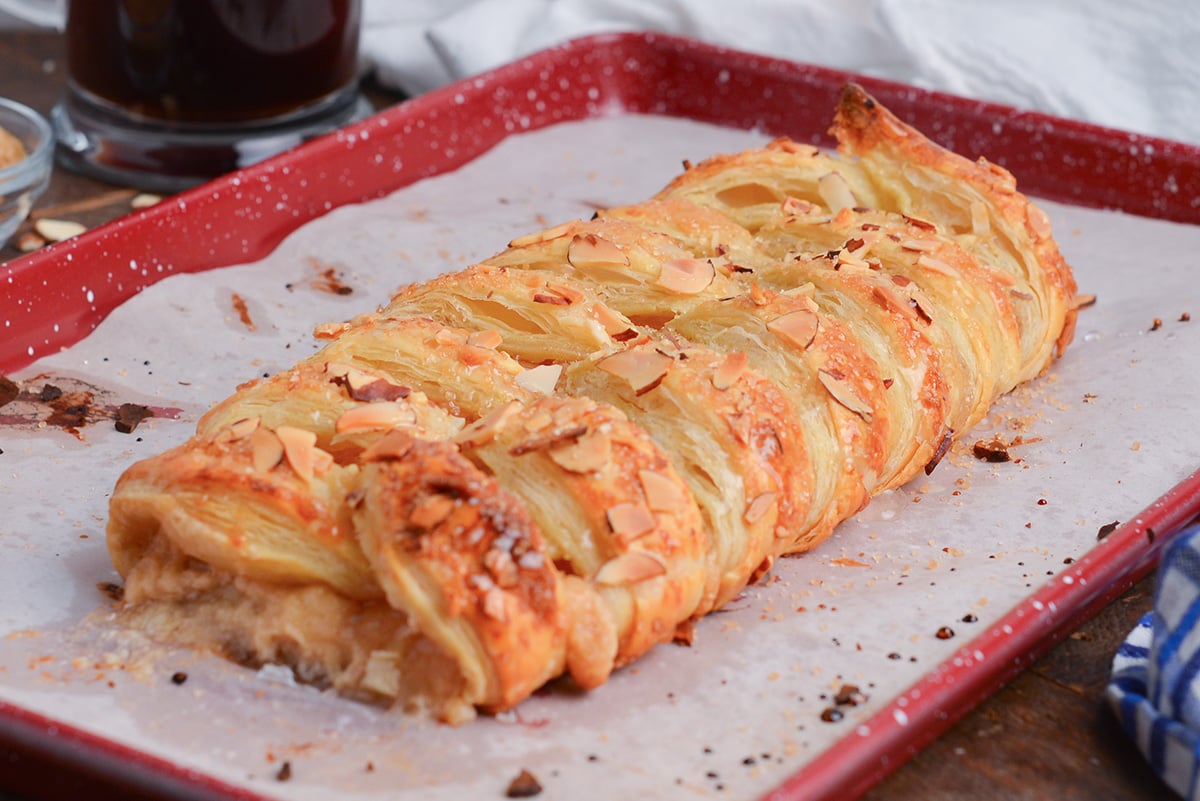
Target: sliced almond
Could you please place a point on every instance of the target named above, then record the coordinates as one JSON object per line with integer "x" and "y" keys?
{"x": 589, "y": 251}
{"x": 921, "y": 304}
{"x": 30, "y": 241}
{"x": 571, "y": 411}
{"x": 431, "y": 510}
{"x": 543, "y": 236}
{"x": 851, "y": 260}
{"x": 1038, "y": 221}
{"x": 889, "y": 297}
{"x": 861, "y": 245}
{"x": 763, "y": 568}
{"x": 629, "y": 521}
{"x": 144, "y": 200}
{"x": 687, "y": 276}
{"x": 357, "y": 379}
{"x": 587, "y": 453}
{"x": 556, "y": 437}
{"x": 917, "y": 222}
{"x": 375, "y": 416}
{"x": 393, "y": 445}
{"x": 266, "y": 451}
{"x": 795, "y": 207}
{"x": 322, "y": 461}
{"x": 337, "y": 369}
{"x": 298, "y": 447}
{"x": 726, "y": 267}
{"x": 630, "y": 568}
{"x": 685, "y": 633}
{"x": 483, "y": 430}
{"x": 239, "y": 429}
{"x": 919, "y": 245}
{"x": 541, "y": 379}
{"x": 803, "y": 293}
{"x": 380, "y": 389}
{"x": 367, "y": 387}
{"x": 643, "y": 369}
{"x": 662, "y": 494}
{"x": 495, "y": 604}
{"x": 489, "y": 339}
{"x": 538, "y": 422}
{"x": 614, "y": 324}
{"x": 835, "y": 192}
{"x": 474, "y": 355}
{"x": 449, "y": 337}
{"x": 798, "y": 327}
{"x": 845, "y": 394}
{"x": 936, "y": 265}
{"x": 730, "y": 370}
{"x": 757, "y": 508}
{"x": 53, "y": 230}
{"x": 550, "y": 298}
{"x": 330, "y": 330}
{"x": 572, "y": 294}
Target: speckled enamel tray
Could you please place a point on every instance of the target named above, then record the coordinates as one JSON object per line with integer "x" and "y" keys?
{"x": 814, "y": 684}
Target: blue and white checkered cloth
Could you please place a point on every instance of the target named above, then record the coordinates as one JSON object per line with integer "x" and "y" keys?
{"x": 1155, "y": 685}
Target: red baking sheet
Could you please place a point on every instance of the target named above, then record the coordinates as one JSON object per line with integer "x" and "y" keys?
{"x": 41, "y": 311}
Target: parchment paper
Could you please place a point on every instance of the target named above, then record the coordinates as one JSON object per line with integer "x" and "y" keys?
{"x": 1107, "y": 430}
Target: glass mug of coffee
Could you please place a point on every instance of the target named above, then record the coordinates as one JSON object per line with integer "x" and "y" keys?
{"x": 164, "y": 94}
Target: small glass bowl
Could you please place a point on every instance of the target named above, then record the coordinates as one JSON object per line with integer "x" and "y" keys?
{"x": 23, "y": 182}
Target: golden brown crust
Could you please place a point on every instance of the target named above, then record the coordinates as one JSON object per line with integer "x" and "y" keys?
{"x": 865, "y": 128}
{"x": 552, "y": 461}
{"x": 462, "y": 555}
{"x": 616, "y": 513}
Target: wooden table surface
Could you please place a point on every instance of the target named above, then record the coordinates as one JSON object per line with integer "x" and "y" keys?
{"x": 1047, "y": 735}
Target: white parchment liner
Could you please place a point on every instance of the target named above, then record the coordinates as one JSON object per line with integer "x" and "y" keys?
{"x": 1109, "y": 428}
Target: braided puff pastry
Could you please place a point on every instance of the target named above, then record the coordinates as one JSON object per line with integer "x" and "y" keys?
{"x": 552, "y": 461}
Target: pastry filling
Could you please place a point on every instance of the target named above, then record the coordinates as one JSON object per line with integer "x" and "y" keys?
{"x": 364, "y": 649}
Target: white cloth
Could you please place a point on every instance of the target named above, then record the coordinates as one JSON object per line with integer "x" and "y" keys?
{"x": 1127, "y": 64}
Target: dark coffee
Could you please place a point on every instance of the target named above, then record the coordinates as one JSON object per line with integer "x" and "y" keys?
{"x": 212, "y": 61}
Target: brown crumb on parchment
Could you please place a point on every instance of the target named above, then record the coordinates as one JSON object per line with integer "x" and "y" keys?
{"x": 991, "y": 450}
{"x": 328, "y": 280}
{"x": 130, "y": 415}
{"x": 524, "y": 785}
{"x": 243, "y": 312}
{"x": 997, "y": 450}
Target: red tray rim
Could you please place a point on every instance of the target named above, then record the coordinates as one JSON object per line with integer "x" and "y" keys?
{"x": 635, "y": 73}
